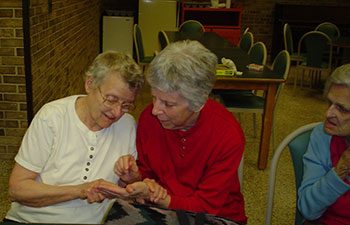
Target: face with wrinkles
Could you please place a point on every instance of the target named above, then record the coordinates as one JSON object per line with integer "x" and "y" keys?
{"x": 338, "y": 113}
{"x": 172, "y": 110}
{"x": 108, "y": 102}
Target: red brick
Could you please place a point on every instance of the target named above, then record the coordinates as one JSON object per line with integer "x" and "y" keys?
{"x": 7, "y": 51}
{"x": 19, "y": 33}
{"x": 15, "y": 97}
{"x": 11, "y": 123}
{"x": 6, "y": 13}
{"x": 8, "y": 106}
{"x": 14, "y": 79}
{"x": 15, "y": 115}
{"x": 18, "y": 13}
{"x": 11, "y": 42}
{"x": 8, "y": 88}
{"x": 10, "y": 23}
{"x": 7, "y": 70}
{"x": 13, "y": 60}
{"x": 6, "y": 33}
{"x": 17, "y": 132}
{"x": 11, "y": 3}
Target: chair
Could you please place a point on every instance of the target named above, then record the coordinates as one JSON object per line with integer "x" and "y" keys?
{"x": 333, "y": 33}
{"x": 246, "y": 41}
{"x": 140, "y": 54}
{"x": 163, "y": 39}
{"x": 252, "y": 103}
{"x": 246, "y": 30}
{"x": 258, "y": 53}
{"x": 288, "y": 44}
{"x": 330, "y": 29}
{"x": 315, "y": 44}
{"x": 191, "y": 27}
{"x": 297, "y": 142}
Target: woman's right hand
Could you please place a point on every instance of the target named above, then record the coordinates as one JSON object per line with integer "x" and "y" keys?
{"x": 127, "y": 169}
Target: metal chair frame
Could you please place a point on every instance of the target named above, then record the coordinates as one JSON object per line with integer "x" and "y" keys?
{"x": 291, "y": 139}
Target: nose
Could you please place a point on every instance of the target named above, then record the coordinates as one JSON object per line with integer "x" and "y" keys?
{"x": 330, "y": 111}
{"x": 117, "y": 110}
{"x": 156, "y": 107}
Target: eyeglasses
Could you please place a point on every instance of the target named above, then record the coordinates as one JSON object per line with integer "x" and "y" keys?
{"x": 112, "y": 101}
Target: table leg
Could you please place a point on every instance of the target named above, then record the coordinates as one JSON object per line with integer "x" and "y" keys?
{"x": 266, "y": 129}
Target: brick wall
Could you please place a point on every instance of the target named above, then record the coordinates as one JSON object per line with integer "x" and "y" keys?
{"x": 13, "y": 120}
{"x": 63, "y": 43}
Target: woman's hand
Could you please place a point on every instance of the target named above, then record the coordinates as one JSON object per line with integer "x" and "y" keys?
{"x": 127, "y": 169}
{"x": 157, "y": 192}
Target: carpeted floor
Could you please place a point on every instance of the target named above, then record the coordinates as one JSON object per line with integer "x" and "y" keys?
{"x": 293, "y": 111}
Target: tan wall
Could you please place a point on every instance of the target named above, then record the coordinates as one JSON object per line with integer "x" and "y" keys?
{"x": 63, "y": 43}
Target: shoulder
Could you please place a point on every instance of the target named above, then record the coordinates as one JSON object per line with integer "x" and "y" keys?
{"x": 319, "y": 135}
{"x": 219, "y": 118}
{"x": 57, "y": 107}
{"x": 126, "y": 120}
{"x": 146, "y": 115}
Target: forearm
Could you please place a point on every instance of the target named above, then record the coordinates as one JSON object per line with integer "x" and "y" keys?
{"x": 316, "y": 197}
{"x": 35, "y": 194}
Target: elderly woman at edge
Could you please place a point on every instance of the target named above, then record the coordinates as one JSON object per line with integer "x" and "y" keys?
{"x": 324, "y": 194}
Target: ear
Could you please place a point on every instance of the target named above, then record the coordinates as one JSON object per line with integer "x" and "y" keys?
{"x": 88, "y": 84}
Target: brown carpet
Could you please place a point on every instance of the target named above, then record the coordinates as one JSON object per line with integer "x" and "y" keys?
{"x": 293, "y": 111}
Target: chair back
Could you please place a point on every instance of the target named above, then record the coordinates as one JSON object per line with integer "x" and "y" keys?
{"x": 163, "y": 39}
{"x": 258, "y": 53}
{"x": 281, "y": 64}
{"x": 140, "y": 54}
{"x": 191, "y": 27}
{"x": 246, "y": 41}
{"x": 330, "y": 29}
{"x": 246, "y": 30}
{"x": 288, "y": 38}
{"x": 316, "y": 45}
{"x": 297, "y": 142}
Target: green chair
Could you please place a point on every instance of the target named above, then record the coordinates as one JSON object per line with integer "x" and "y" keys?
{"x": 191, "y": 27}
{"x": 330, "y": 29}
{"x": 141, "y": 59}
{"x": 289, "y": 45}
{"x": 249, "y": 102}
{"x": 297, "y": 142}
{"x": 163, "y": 39}
{"x": 258, "y": 53}
{"x": 316, "y": 45}
{"x": 246, "y": 41}
{"x": 333, "y": 33}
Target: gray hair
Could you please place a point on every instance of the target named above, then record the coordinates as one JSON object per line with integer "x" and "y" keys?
{"x": 340, "y": 75}
{"x": 186, "y": 67}
{"x": 110, "y": 62}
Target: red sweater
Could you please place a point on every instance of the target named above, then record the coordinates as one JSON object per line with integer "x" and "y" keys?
{"x": 198, "y": 167}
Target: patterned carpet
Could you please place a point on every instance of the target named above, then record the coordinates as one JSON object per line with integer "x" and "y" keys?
{"x": 293, "y": 110}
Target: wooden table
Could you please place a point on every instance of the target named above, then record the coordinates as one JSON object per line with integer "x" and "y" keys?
{"x": 266, "y": 80}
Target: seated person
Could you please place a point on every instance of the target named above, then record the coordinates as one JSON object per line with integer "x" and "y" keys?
{"x": 72, "y": 144}
{"x": 324, "y": 194}
{"x": 189, "y": 144}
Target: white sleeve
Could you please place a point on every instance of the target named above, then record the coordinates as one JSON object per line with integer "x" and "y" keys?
{"x": 36, "y": 144}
